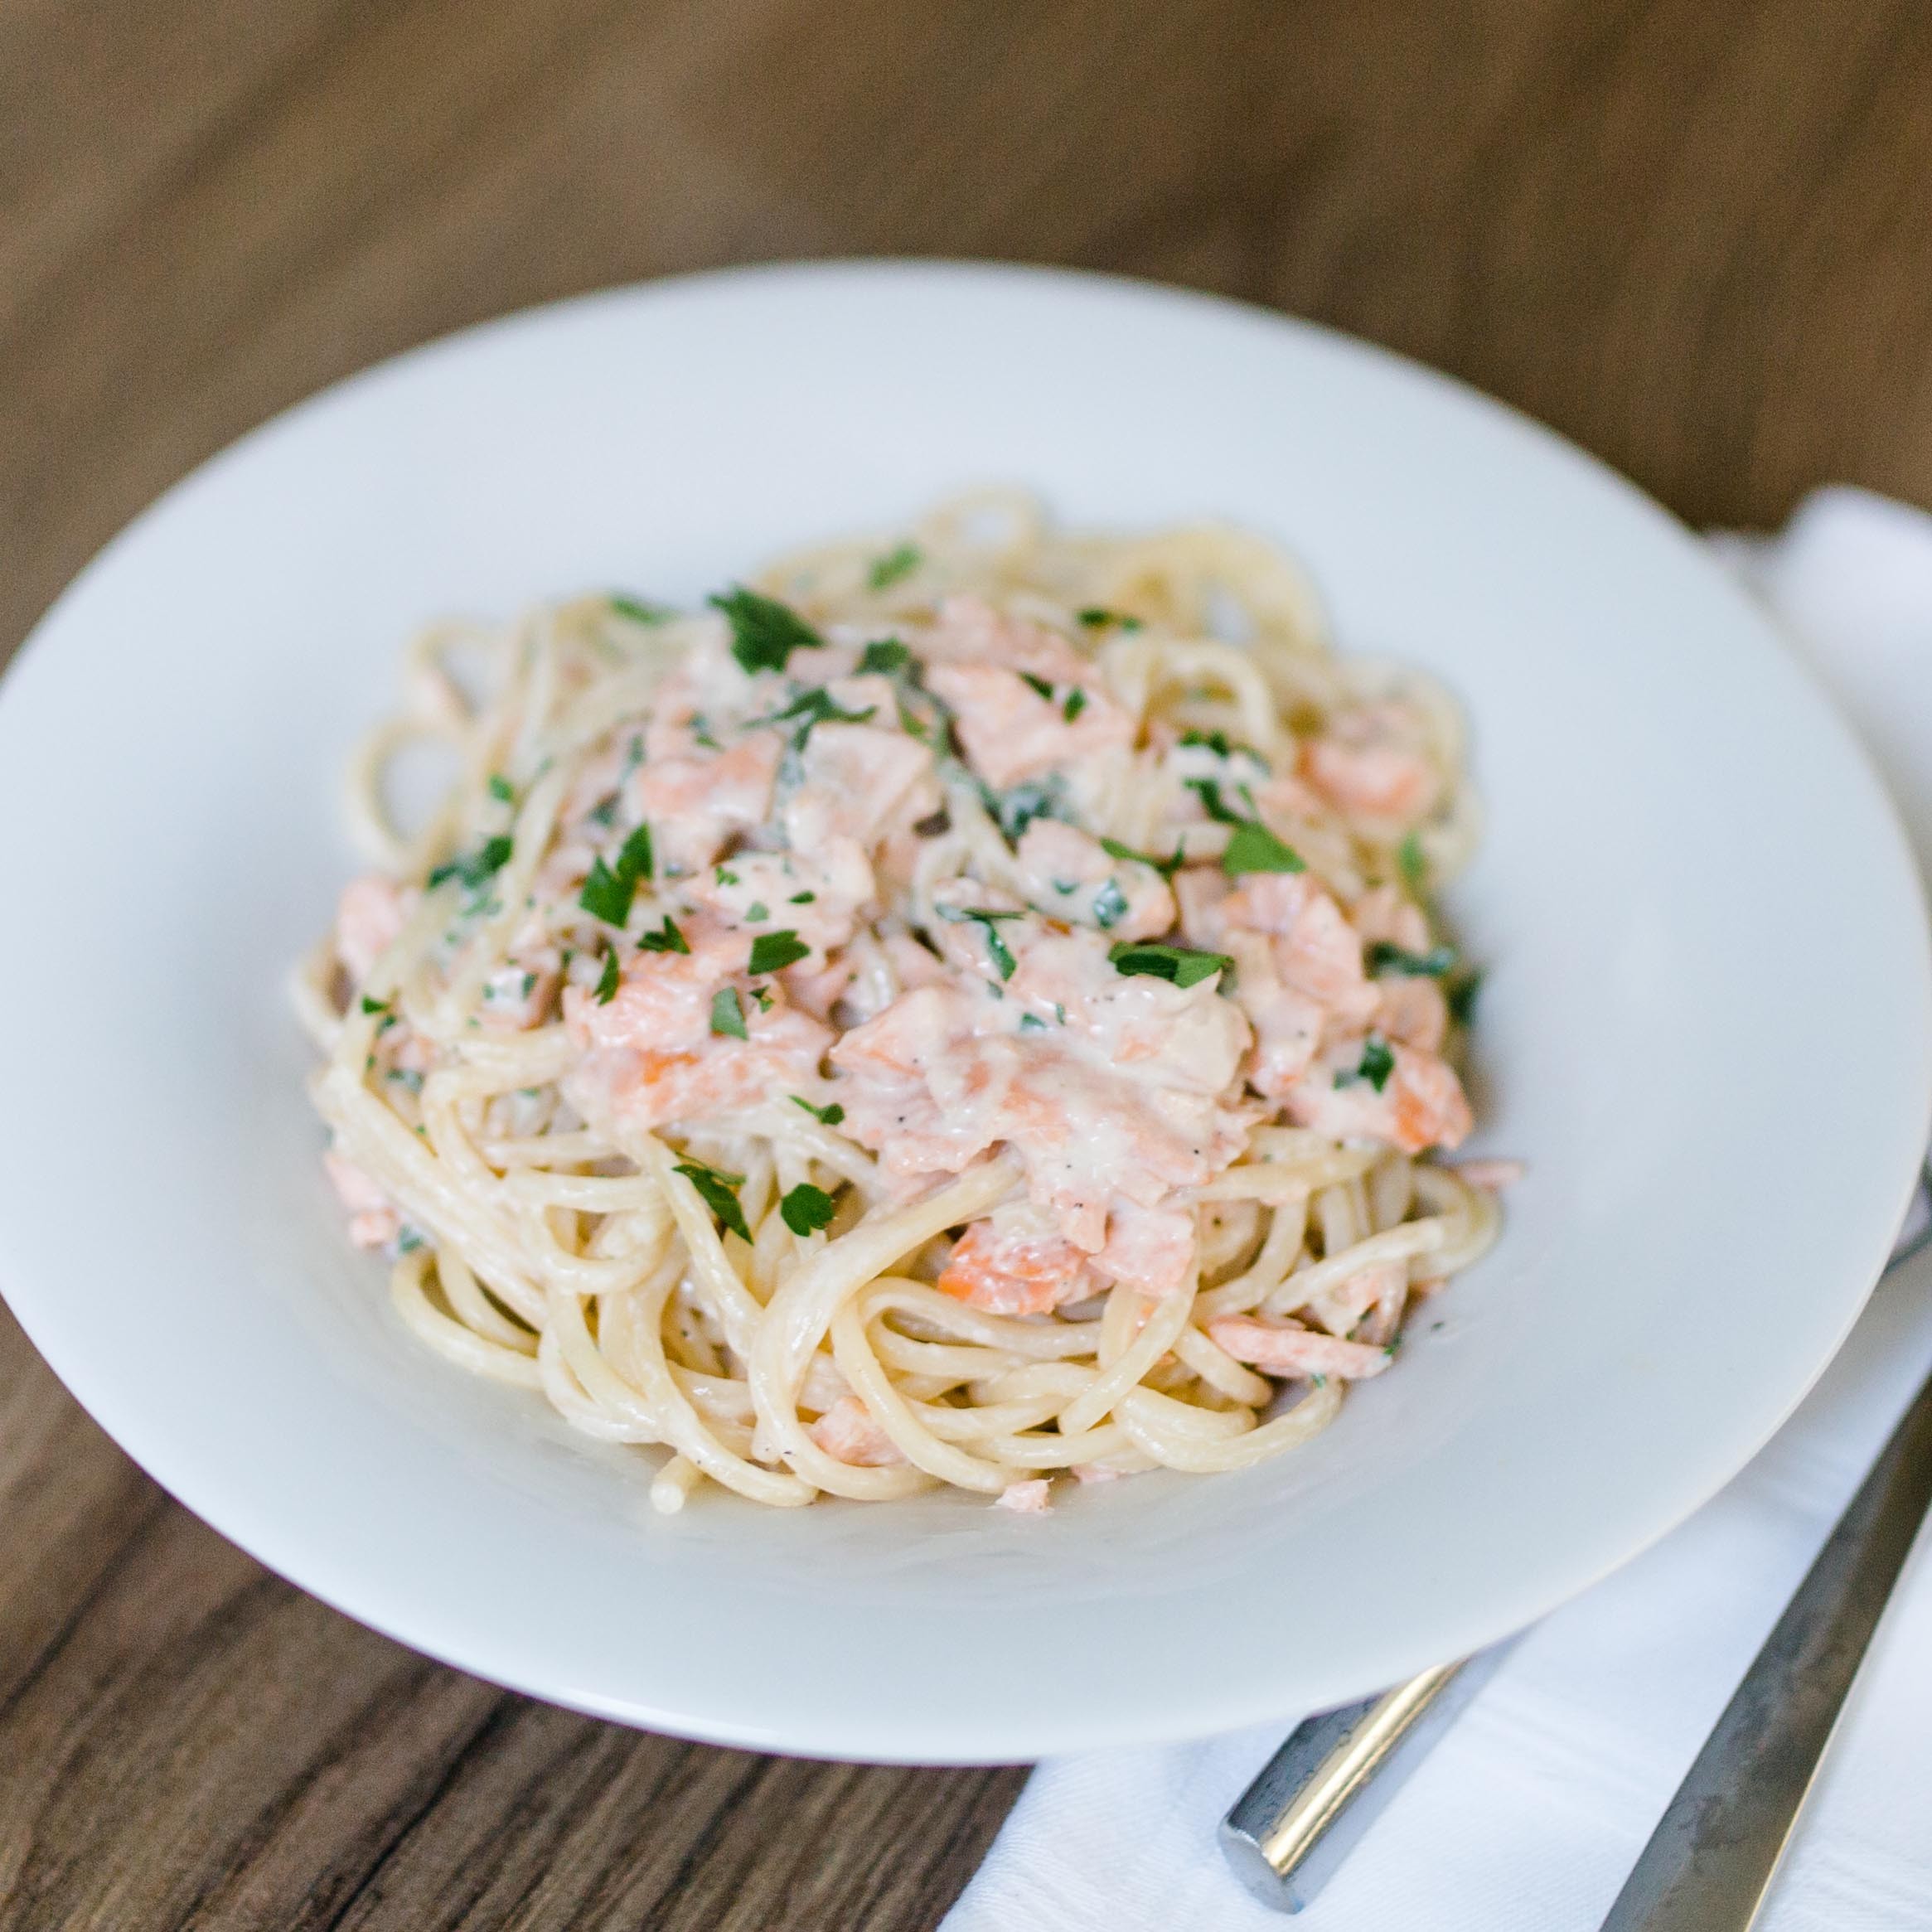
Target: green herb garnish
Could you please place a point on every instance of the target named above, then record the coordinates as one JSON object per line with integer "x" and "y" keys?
{"x": 501, "y": 788}
{"x": 1075, "y": 704}
{"x": 830, "y": 1114}
{"x": 772, "y": 952}
{"x": 817, "y": 706}
{"x": 1180, "y": 964}
{"x": 1039, "y": 684}
{"x": 1377, "y": 1064}
{"x": 727, "y": 1015}
{"x": 666, "y": 939}
{"x": 1461, "y": 995}
{"x": 887, "y": 570}
{"x": 1255, "y": 849}
{"x": 764, "y": 632}
{"x": 807, "y": 1209}
{"x": 757, "y": 910}
{"x": 885, "y": 655}
{"x": 634, "y": 861}
{"x": 1435, "y": 964}
{"x": 1032, "y": 1023}
{"x": 1412, "y": 864}
{"x": 988, "y": 922}
{"x": 640, "y": 612}
{"x": 607, "y": 980}
{"x": 801, "y": 898}
{"x": 1214, "y": 741}
{"x": 720, "y": 1193}
{"x": 605, "y": 896}
{"x": 1208, "y": 792}
{"x": 371, "y": 1005}
{"x": 1165, "y": 867}
{"x": 1110, "y": 906}
{"x": 1096, "y": 618}
{"x": 477, "y": 868}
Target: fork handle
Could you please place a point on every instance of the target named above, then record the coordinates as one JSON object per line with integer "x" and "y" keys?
{"x": 1710, "y": 1863}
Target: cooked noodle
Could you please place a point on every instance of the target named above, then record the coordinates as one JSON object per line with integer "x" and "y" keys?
{"x": 795, "y": 1242}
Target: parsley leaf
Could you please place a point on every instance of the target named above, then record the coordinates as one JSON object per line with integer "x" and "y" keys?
{"x": 1165, "y": 867}
{"x": 764, "y": 632}
{"x": 885, "y": 655}
{"x": 1378, "y": 1062}
{"x": 606, "y": 895}
{"x": 887, "y": 570}
{"x": 808, "y": 1208}
{"x": 666, "y": 939}
{"x": 1000, "y": 953}
{"x": 817, "y": 706}
{"x": 477, "y": 868}
{"x": 1462, "y": 997}
{"x": 1013, "y": 810}
{"x": 1110, "y": 906}
{"x": 1255, "y": 849}
{"x": 1208, "y": 792}
{"x": 1096, "y": 618}
{"x": 640, "y": 612}
{"x": 772, "y": 952}
{"x": 727, "y": 1015}
{"x": 1214, "y": 741}
{"x": 801, "y": 898}
{"x": 1032, "y": 1023}
{"x": 501, "y": 788}
{"x": 830, "y": 1114}
{"x": 718, "y": 1192}
{"x": 1413, "y": 865}
{"x": 756, "y": 911}
{"x": 1432, "y": 964}
{"x": 1181, "y": 964}
{"x": 607, "y": 981}
{"x": 371, "y": 1005}
{"x": 1039, "y": 684}
{"x": 1075, "y": 704}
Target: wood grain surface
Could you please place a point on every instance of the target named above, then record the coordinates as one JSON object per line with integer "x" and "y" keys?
{"x": 1693, "y": 233}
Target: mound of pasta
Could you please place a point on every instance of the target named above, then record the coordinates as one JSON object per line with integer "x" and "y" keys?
{"x": 959, "y": 1008}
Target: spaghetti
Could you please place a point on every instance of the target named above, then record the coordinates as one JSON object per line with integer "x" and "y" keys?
{"x": 961, "y": 1009}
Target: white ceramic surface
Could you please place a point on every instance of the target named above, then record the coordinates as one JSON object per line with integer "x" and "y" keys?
{"x": 1705, "y": 1025}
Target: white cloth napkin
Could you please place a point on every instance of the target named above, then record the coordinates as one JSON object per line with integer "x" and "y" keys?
{"x": 1530, "y": 1812}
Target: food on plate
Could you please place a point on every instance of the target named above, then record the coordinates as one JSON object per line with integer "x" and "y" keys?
{"x": 962, "y": 1007}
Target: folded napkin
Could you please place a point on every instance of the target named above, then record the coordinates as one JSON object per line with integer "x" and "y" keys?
{"x": 1529, "y": 1812}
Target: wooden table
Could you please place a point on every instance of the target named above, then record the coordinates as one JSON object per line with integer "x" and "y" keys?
{"x": 1694, "y": 234}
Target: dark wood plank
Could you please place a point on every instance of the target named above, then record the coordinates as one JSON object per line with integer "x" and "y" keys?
{"x": 1691, "y": 233}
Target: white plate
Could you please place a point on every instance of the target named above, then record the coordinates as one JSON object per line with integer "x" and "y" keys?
{"x": 1706, "y": 1026}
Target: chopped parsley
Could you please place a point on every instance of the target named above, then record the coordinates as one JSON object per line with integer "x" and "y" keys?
{"x": 885, "y": 656}
{"x": 801, "y": 898}
{"x": 1013, "y": 810}
{"x": 605, "y": 810}
{"x": 1384, "y": 956}
{"x": 476, "y": 869}
{"x": 757, "y": 910}
{"x": 764, "y": 632}
{"x": 407, "y": 1078}
{"x": 640, "y": 612}
{"x": 609, "y": 889}
{"x": 666, "y": 939}
{"x": 1032, "y": 1023}
{"x": 607, "y": 980}
{"x": 1208, "y": 792}
{"x": 501, "y": 788}
{"x": 763, "y": 994}
{"x": 1255, "y": 849}
{"x": 1110, "y": 906}
{"x": 988, "y": 924}
{"x": 830, "y": 1114}
{"x": 772, "y": 952}
{"x": 807, "y": 1209}
{"x": 1462, "y": 997}
{"x": 1412, "y": 864}
{"x": 1075, "y": 704}
{"x": 1096, "y": 618}
{"x": 726, "y": 877}
{"x": 1165, "y": 867}
{"x": 896, "y": 563}
{"x": 817, "y": 706}
{"x": 1180, "y": 964}
{"x": 371, "y": 1005}
{"x": 727, "y": 1015}
{"x": 718, "y": 1192}
{"x": 1039, "y": 684}
{"x": 1377, "y": 1064}
{"x": 1214, "y": 741}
